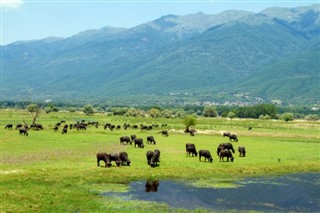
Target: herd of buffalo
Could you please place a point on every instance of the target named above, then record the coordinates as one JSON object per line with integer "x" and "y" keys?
{"x": 224, "y": 150}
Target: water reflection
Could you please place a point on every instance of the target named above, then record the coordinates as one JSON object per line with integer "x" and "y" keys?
{"x": 152, "y": 186}
{"x": 291, "y": 193}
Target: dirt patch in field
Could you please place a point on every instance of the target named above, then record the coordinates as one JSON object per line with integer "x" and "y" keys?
{"x": 11, "y": 172}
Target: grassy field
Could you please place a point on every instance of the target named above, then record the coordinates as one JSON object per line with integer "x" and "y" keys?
{"x": 51, "y": 172}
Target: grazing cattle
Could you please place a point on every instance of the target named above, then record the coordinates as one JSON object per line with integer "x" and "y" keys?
{"x": 192, "y": 131}
{"x": 65, "y": 129}
{"x": 233, "y": 137}
{"x": 23, "y": 131}
{"x": 226, "y": 153}
{"x": 94, "y": 123}
{"x": 107, "y": 125}
{"x": 56, "y": 128}
{"x": 124, "y": 158}
{"x": 143, "y": 127}
{"x": 226, "y": 134}
{"x": 164, "y": 133}
{"x": 125, "y": 139}
{"x": 152, "y": 185}
{"x": 81, "y": 127}
{"x": 104, "y": 157}
{"x": 135, "y": 126}
{"x": 19, "y": 126}
{"x": 155, "y": 158}
{"x": 223, "y": 146}
{"x": 206, "y": 154}
{"x": 139, "y": 142}
{"x": 149, "y": 155}
{"x": 111, "y": 127}
{"x": 242, "y": 151}
{"x": 8, "y": 126}
{"x": 115, "y": 157}
{"x": 133, "y": 137}
{"x": 191, "y": 148}
{"x": 150, "y": 139}
{"x": 250, "y": 128}
{"x": 125, "y": 126}
{"x": 36, "y": 126}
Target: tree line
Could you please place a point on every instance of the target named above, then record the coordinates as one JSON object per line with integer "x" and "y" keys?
{"x": 259, "y": 111}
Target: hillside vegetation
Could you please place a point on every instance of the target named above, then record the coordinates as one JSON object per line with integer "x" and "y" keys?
{"x": 270, "y": 55}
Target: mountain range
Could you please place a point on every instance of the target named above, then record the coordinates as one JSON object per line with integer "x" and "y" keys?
{"x": 233, "y": 56}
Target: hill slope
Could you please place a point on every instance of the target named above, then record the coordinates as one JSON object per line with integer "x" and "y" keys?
{"x": 266, "y": 55}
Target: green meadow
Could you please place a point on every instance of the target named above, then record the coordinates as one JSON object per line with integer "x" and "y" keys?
{"x": 52, "y": 172}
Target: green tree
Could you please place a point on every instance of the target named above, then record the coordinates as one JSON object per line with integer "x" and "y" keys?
{"x": 312, "y": 117}
{"x": 189, "y": 121}
{"x": 35, "y": 111}
{"x": 167, "y": 113}
{"x": 154, "y": 113}
{"x": 287, "y": 116}
{"x": 88, "y": 109}
{"x": 231, "y": 115}
{"x": 47, "y": 109}
{"x": 72, "y": 109}
{"x": 210, "y": 111}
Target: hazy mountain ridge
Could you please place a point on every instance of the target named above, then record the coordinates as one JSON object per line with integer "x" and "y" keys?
{"x": 225, "y": 51}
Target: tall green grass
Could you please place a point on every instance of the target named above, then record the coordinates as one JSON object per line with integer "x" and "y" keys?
{"x": 50, "y": 172}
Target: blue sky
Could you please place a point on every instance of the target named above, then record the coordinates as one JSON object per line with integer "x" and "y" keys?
{"x": 37, "y": 19}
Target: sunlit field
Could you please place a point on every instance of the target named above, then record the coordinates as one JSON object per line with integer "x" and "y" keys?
{"x": 47, "y": 171}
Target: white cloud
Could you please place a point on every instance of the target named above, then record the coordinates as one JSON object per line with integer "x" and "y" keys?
{"x": 11, "y": 4}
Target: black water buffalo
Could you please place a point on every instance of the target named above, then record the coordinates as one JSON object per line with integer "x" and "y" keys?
{"x": 8, "y": 126}
{"x": 36, "y": 126}
{"x": 150, "y": 139}
{"x": 107, "y": 125}
{"x": 206, "y": 154}
{"x": 223, "y": 146}
{"x": 192, "y": 131}
{"x": 149, "y": 155}
{"x": 18, "y": 126}
{"x": 56, "y": 128}
{"x": 124, "y": 158}
{"x": 65, "y": 129}
{"x": 191, "y": 148}
{"x": 133, "y": 137}
{"x": 23, "y": 131}
{"x": 226, "y": 134}
{"x": 242, "y": 151}
{"x": 155, "y": 158}
{"x": 115, "y": 157}
{"x": 81, "y": 127}
{"x": 152, "y": 185}
{"x": 104, "y": 157}
{"x": 143, "y": 127}
{"x": 233, "y": 137}
{"x": 139, "y": 142}
{"x": 164, "y": 133}
{"x": 125, "y": 126}
{"x": 226, "y": 153}
{"x": 125, "y": 139}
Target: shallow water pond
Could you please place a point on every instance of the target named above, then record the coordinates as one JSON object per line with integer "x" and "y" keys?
{"x": 297, "y": 193}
